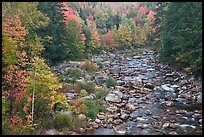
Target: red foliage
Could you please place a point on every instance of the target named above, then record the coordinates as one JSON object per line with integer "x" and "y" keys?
{"x": 151, "y": 15}
{"x": 90, "y": 17}
{"x": 135, "y": 7}
{"x": 13, "y": 27}
{"x": 109, "y": 36}
{"x": 70, "y": 13}
{"x": 143, "y": 9}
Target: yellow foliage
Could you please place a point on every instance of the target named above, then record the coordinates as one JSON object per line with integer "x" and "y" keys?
{"x": 188, "y": 70}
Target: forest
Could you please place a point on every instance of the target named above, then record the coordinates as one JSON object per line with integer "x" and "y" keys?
{"x": 72, "y": 68}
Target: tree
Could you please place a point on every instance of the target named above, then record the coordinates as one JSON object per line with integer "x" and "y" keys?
{"x": 181, "y": 34}
{"x": 55, "y": 50}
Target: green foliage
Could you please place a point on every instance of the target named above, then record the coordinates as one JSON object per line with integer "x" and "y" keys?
{"x": 124, "y": 36}
{"x": 74, "y": 73}
{"x": 62, "y": 121}
{"x": 101, "y": 93}
{"x": 55, "y": 49}
{"x": 94, "y": 107}
{"x": 182, "y": 35}
{"x": 83, "y": 93}
{"x": 89, "y": 86}
{"x": 110, "y": 82}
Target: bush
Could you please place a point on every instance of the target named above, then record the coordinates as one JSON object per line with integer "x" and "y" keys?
{"x": 74, "y": 73}
{"x": 89, "y": 66}
{"x": 91, "y": 112}
{"x": 89, "y": 86}
{"x": 62, "y": 121}
{"x": 110, "y": 83}
{"x": 101, "y": 93}
{"x": 94, "y": 107}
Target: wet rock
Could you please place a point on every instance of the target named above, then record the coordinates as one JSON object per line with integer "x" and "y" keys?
{"x": 137, "y": 57}
{"x": 140, "y": 125}
{"x": 167, "y": 88}
{"x": 149, "y": 85}
{"x": 166, "y": 125}
{"x": 199, "y": 99}
{"x": 114, "y": 70}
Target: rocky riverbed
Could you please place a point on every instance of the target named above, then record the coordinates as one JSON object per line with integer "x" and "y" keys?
{"x": 149, "y": 99}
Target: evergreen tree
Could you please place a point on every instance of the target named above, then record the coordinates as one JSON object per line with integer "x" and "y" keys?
{"x": 55, "y": 33}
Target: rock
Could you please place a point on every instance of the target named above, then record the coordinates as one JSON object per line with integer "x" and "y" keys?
{"x": 97, "y": 59}
{"x": 97, "y": 120}
{"x": 82, "y": 117}
{"x": 140, "y": 125}
{"x": 175, "y": 87}
{"x": 91, "y": 96}
{"x": 165, "y": 87}
{"x": 166, "y": 125}
{"x": 130, "y": 107}
{"x": 114, "y": 70}
{"x": 169, "y": 103}
{"x": 101, "y": 116}
{"x": 88, "y": 78}
{"x": 112, "y": 98}
{"x": 121, "y": 129}
{"x": 124, "y": 116}
{"x": 118, "y": 93}
{"x": 199, "y": 99}
{"x": 137, "y": 57}
{"x": 173, "y": 133}
{"x": 95, "y": 125}
{"x": 110, "y": 120}
{"x": 69, "y": 95}
{"x": 200, "y": 121}
{"x": 120, "y": 82}
{"x": 51, "y": 132}
{"x": 149, "y": 85}
{"x": 82, "y": 130}
{"x": 111, "y": 55}
{"x": 117, "y": 121}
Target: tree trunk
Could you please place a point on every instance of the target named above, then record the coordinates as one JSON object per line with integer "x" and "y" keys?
{"x": 33, "y": 97}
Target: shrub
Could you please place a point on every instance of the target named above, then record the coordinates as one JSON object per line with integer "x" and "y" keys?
{"x": 62, "y": 121}
{"x": 74, "y": 73}
{"x": 110, "y": 83}
{"x": 101, "y": 93}
{"x": 83, "y": 93}
{"x": 89, "y": 66}
{"x": 89, "y": 86}
{"x": 94, "y": 107}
